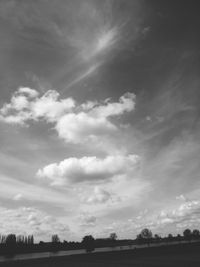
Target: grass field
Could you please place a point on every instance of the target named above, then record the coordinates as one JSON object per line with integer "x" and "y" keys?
{"x": 180, "y": 255}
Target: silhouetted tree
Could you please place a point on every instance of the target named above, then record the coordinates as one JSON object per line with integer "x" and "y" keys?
{"x": 139, "y": 239}
{"x": 146, "y": 234}
{"x": 30, "y": 239}
{"x": 170, "y": 238}
{"x": 11, "y": 240}
{"x": 25, "y": 240}
{"x": 112, "y": 239}
{"x": 88, "y": 243}
{"x": 20, "y": 239}
{"x": 157, "y": 238}
{"x": 179, "y": 237}
{"x": 196, "y": 234}
{"x": 113, "y": 236}
{"x": 55, "y": 239}
{"x": 2, "y": 239}
{"x": 11, "y": 244}
{"x": 187, "y": 234}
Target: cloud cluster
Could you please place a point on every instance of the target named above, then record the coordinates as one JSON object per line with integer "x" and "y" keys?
{"x": 29, "y": 220}
{"x": 168, "y": 220}
{"x": 74, "y": 123}
{"x": 93, "y": 119}
{"x": 88, "y": 122}
{"x": 88, "y": 169}
{"x": 26, "y": 105}
{"x": 184, "y": 215}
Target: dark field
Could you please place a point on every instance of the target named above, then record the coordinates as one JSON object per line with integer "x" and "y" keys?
{"x": 173, "y": 255}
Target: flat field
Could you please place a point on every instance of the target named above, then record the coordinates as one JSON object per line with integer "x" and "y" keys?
{"x": 187, "y": 255}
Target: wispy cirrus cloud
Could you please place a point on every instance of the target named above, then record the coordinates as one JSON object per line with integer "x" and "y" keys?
{"x": 14, "y": 189}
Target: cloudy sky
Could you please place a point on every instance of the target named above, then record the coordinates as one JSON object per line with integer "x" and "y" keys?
{"x": 99, "y": 117}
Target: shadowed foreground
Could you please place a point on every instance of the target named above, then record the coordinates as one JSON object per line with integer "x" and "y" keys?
{"x": 173, "y": 255}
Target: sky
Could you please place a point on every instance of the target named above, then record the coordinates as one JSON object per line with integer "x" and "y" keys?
{"x": 99, "y": 117}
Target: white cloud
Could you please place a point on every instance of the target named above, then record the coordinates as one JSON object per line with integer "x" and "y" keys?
{"x": 87, "y": 220}
{"x": 88, "y": 169}
{"x": 99, "y": 196}
{"x": 81, "y": 127}
{"x": 126, "y": 104}
{"x": 74, "y": 123}
{"x": 28, "y": 91}
{"x": 50, "y": 108}
{"x": 186, "y": 214}
{"x": 26, "y": 105}
{"x": 181, "y": 197}
{"x": 93, "y": 120}
{"x": 18, "y": 197}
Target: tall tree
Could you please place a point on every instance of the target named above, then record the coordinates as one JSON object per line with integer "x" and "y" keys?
{"x": 88, "y": 243}
{"x": 196, "y": 234}
{"x": 187, "y": 234}
{"x": 157, "y": 238}
{"x": 170, "y": 237}
{"x": 55, "y": 239}
{"x": 11, "y": 239}
{"x": 146, "y": 235}
{"x": 113, "y": 236}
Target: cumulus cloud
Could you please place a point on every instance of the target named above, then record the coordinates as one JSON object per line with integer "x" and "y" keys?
{"x": 99, "y": 196}
{"x": 25, "y": 105}
{"x": 80, "y": 127}
{"x": 50, "y": 108}
{"x": 126, "y": 104}
{"x": 87, "y": 220}
{"x": 73, "y": 122}
{"x": 93, "y": 120}
{"x": 88, "y": 169}
{"x": 28, "y": 91}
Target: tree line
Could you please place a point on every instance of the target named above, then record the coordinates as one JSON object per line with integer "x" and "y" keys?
{"x": 12, "y": 244}
{"x": 19, "y": 239}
